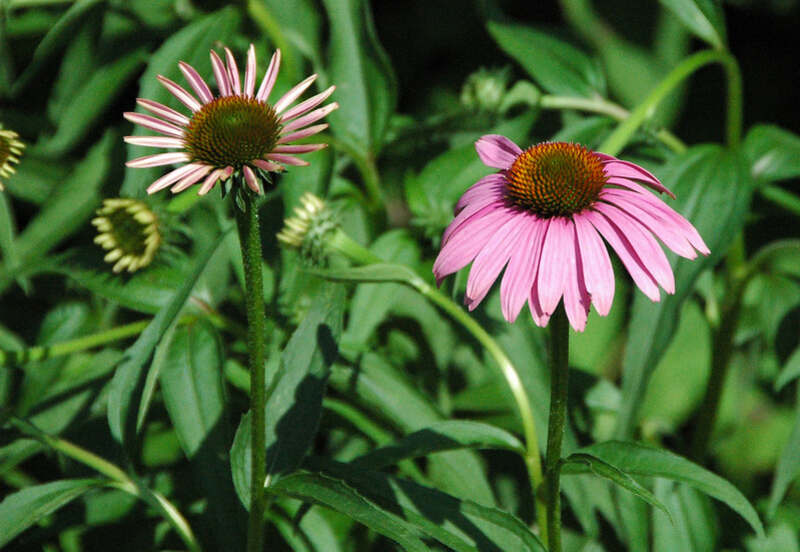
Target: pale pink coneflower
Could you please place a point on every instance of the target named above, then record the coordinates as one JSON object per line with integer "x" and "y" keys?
{"x": 236, "y": 130}
{"x": 544, "y": 216}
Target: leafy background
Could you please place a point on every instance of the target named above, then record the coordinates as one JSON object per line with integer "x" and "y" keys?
{"x": 155, "y": 413}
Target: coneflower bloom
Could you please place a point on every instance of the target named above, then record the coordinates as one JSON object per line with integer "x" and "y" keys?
{"x": 236, "y": 130}
{"x": 10, "y": 150}
{"x": 544, "y": 217}
{"x": 128, "y": 230}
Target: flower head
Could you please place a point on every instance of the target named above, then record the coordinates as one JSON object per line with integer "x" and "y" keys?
{"x": 10, "y": 150}
{"x": 128, "y": 230}
{"x": 235, "y": 132}
{"x": 544, "y": 217}
{"x": 309, "y": 229}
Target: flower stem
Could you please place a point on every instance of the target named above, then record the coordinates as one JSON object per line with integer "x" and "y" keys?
{"x": 625, "y": 131}
{"x": 250, "y": 241}
{"x": 342, "y": 243}
{"x": 559, "y": 371}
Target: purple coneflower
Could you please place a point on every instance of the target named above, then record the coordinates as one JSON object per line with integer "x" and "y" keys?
{"x": 236, "y": 130}
{"x": 543, "y": 215}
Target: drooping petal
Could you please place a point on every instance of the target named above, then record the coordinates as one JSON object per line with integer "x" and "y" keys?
{"x": 576, "y": 297}
{"x": 556, "y": 253}
{"x": 167, "y": 180}
{"x": 520, "y": 273}
{"x": 209, "y": 182}
{"x": 153, "y": 123}
{"x": 269, "y": 77}
{"x": 250, "y": 72}
{"x": 497, "y": 151}
{"x": 624, "y": 169}
{"x": 294, "y": 93}
{"x": 163, "y": 111}
{"x": 154, "y": 141}
{"x": 250, "y": 178}
{"x": 267, "y": 165}
{"x": 598, "y": 274}
{"x": 158, "y": 160}
{"x": 180, "y": 92}
{"x": 197, "y": 82}
{"x": 315, "y": 115}
{"x": 307, "y": 105}
{"x": 491, "y": 260}
{"x": 491, "y": 184}
{"x": 191, "y": 178}
{"x": 310, "y": 131}
{"x": 287, "y": 159}
{"x": 220, "y": 74}
{"x": 302, "y": 148}
{"x": 233, "y": 72}
{"x": 474, "y": 209}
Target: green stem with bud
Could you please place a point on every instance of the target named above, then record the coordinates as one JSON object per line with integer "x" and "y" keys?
{"x": 250, "y": 240}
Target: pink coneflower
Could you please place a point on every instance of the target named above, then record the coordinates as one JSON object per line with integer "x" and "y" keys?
{"x": 236, "y": 130}
{"x": 543, "y": 215}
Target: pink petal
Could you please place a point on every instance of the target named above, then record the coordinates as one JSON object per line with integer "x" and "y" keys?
{"x": 540, "y": 318}
{"x": 196, "y": 82}
{"x": 315, "y": 115}
{"x": 497, "y": 151}
{"x": 462, "y": 248}
{"x": 576, "y": 298}
{"x": 220, "y": 74}
{"x": 154, "y": 141}
{"x": 557, "y": 253}
{"x": 287, "y": 159}
{"x": 626, "y": 253}
{"x": 267, "y": 166}
{"x": 598, "y": 274}
{"x": 304, "y": 148}
{"x": 522, "y": 267}
{"x": 233, "y": 72}
{"x": 153, "y": 124}
{"x": 490, "y": 184}
{"x": 163, "y": 111}
{"x": 250, "y": 178}
{"x": 307, "y": 105}
{"x": 302, "y": 133}
{"x": 491, "y": 260}
{"x": 166, "y": 180}
{"x": 211, "y": 181}
{"x": 269, "y": 77}
{"x": 625, "y": 169}
{"x": 179, "y": 92}
{"x": 158, "y": 160}
{"x": 474, "y": 209}
{"x": 293, "y": 94}
{"x": 192, "y": 178}
{"x": 250, "y": 72}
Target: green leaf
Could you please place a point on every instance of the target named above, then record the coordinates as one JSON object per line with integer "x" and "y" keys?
{"x": 297, "y": 23}
{"x": 363, "y": 76}
{"x": 438, "y": 437}
{"x": 36, "y": 178}
{"x": 790, "y": 371}
{"x": 90, "y": 102}
{"x": 693, "y": 526}
{"x": 51, "y": 44}
{"x": 788, "y": 468}
{"x": 642, "y": 460}
{"x": 703, "y": 17}
{"x": 557, "y": 66}
{"x": 127, "y": 385}
{"x": 713, "y": 189}
{"x": 192, "y": 45}
{"x": 774, "y": 153}
{"x": 21, "y": 509}
{"x": 8, "y": 235}
{"x": 337, "y": 495}
{"x": 296, "y": 399}
{"x": 586, "y": 463}
{"x": 462, "y": 525}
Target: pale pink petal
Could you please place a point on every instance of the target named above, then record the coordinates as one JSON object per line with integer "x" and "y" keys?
{"x": 158, "y": 160}
{"x": 233, "y": 72}
{"x": 522, "y": 267}
{"x": 489, "y": 184}
{"x": 626, "y": 253}
{"x": 556, "y": 254}
{"x": 497, "y": 151}
{"x": 220, "y": 74}
{"x": 152, "y": 123}
{"x": 287, "y": 159}
{"x": 179, "y": 92}
{"x": 576, "y": 297}
{"x": 250, "y": 178}
{"x": 304, "y": 148}
{"x": 191, "y": 178}
{"x": 267, "y": 165}
{"x": 307, "y": 105}
{"x": 624, "y": 169}
{"x": 269, "y": 77}
{"x": 310, "y": 131}
{"x": 167, "y": 180}
{"x": 163, "y": 111}
{"x": 250, "y": 72}
{"x": 196, "y": 82}
{"x": 294, "y": 93}
{"x": 315, "y": 115}
{"x": 210, "y": 181}
{"x": 491, "y": 260}
{"x": 462, "y": 247}
{"x": 154, "y": 141}
{"x": 598, "y": 274}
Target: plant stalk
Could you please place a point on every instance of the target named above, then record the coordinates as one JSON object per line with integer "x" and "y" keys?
{"x": 250, "y": 240}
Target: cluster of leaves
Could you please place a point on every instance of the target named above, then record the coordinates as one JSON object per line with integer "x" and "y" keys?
{"x": 386, "y": 421}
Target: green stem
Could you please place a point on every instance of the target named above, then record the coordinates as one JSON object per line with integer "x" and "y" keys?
{"x": 559, "y": 371}
{"x": 250, "y": 240}
{"x": 781, "y": 197}
{"x": 360, "y": 255}
{"x": 625, "y": 131}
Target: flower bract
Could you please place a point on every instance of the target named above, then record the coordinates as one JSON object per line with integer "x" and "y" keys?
{"x": 546, "y": 218}
{"x": 10, "y": 150}
{"x": 128, "y": 230}
{"x": 236, "y": 131}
